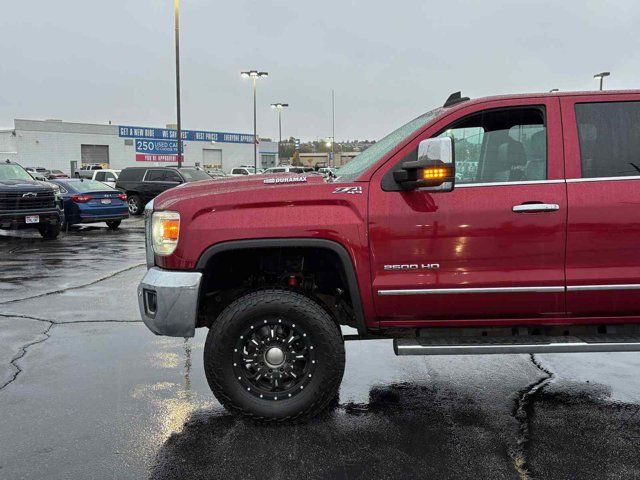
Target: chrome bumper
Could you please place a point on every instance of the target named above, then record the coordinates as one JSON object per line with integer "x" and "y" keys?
{"x": 168, "y": 301}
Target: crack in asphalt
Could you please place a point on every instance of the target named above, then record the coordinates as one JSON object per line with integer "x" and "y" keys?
{"x": 522, "y": 413}
{"x": 23, "y": 352}
{"x": 51, "y": 323}
{"x": 67, "y": 289}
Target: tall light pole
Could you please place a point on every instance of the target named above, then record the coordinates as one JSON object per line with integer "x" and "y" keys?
{"x": 333, "y": 127}
{"x": 254, "y": 75}
{"x": 279, "y": 107}
{"x": 176, "y": 15}
{"x": 601, "y": 76}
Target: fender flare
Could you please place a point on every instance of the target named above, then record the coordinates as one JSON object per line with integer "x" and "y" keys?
{"x": 338, "y": 249}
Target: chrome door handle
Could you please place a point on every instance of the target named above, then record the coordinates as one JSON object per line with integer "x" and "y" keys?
{"x": 536, "y": 207}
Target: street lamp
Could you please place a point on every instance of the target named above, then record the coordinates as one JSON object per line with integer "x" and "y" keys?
{"x": 254, "y": 75}
{"x": 279, "y": 107}
{"x": 601, "y": 76}
{"x": 176, "y": 17}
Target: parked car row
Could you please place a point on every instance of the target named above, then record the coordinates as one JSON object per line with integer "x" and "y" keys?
{"x": 249, "y": 170}
{"x": 27, "y": 201}
{"x": 41, "y": 173}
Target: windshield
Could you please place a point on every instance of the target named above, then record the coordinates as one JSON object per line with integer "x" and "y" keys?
{"x": 14, "y": 172}
{"x": 376, "y": 151}
{"x": 193, "y": 175}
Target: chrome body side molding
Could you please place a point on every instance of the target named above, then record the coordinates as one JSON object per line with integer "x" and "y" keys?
{"x": 541, "y": 289}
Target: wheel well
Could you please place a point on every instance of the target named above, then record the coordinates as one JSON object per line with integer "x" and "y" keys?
{"x": 316, "y": 272}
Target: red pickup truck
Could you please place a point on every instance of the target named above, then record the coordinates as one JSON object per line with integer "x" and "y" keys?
{"x": 506, "y": 224}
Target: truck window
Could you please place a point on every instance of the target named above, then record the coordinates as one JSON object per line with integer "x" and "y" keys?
{"x": 609, "y": 136}
{"x": 100, "y": 176}
{"x": 500, "y": 146}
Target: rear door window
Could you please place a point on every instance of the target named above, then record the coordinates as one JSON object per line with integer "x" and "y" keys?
{"x": 171, "y": 176}
{"x": 154, "y": 176}
{"x": 609, "y": 136}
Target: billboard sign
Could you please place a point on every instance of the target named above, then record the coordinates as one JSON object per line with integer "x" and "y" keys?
{"x": 156, "y": 150}
{"x": 187, "y": 135}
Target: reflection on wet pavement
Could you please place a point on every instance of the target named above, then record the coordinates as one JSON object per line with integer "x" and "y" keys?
{"x": 31, "y": 265}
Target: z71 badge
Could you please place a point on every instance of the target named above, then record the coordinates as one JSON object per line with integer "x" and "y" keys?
{"x": 349, "y": 190}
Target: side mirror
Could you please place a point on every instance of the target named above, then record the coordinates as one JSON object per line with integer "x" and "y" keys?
{"x": 433, "y": 171}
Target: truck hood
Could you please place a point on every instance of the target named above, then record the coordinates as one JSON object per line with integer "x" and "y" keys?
{"x": 262, "y": 187}
{"x": 21, "y": 185}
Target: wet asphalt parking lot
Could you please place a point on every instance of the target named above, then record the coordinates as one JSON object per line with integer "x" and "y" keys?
{"x": 86, "y": 391}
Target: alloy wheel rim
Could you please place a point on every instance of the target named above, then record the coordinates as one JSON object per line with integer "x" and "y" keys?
{"x": 274, "y": 359}
{"x": 133, "y": 207}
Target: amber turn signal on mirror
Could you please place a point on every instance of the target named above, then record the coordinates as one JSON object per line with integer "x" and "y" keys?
{"x": 436, "y": 173}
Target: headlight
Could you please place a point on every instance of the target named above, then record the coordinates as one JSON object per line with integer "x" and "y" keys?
{"x": 165, "y": 231}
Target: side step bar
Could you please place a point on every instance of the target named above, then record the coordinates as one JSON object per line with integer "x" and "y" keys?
{"x": 519, "y": 344}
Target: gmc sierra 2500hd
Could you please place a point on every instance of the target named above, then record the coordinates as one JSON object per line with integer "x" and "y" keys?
{"x": 498, "y": 225}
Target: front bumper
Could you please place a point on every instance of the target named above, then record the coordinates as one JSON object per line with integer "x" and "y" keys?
{"x": 15, "y": 219}
{"x": 168, "y": 301}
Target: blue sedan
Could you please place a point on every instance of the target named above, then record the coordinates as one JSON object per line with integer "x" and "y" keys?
{"x": 89, "y": 201}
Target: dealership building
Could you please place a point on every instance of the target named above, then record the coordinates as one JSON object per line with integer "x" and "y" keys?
{"x": 54, "y": 144}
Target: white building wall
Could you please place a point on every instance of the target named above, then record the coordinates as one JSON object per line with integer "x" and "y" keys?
{"x": 55, "y": 144}
{"x": 8, "y": 146}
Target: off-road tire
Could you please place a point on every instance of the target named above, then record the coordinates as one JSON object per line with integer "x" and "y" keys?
{"x": 113, "y": 224}
{"x": 49, "y": 231}
{"x": 135, "y": 205}
{"x": 327, "y": 344}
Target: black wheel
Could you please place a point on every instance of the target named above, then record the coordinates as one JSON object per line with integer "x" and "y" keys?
{"x": 274, "y": 355}
{"x": 135, "y": 205}
{"x": 49, "y": 232}
{"x": 113, "y": 224}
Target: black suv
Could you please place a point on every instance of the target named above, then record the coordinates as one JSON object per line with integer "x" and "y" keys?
{"x": 27, "y": 203}
{"x": 142, "y": 184}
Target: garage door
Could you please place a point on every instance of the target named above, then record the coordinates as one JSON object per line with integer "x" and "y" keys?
{"x": 95, "y": 154}
{"x": 211, "y": 158}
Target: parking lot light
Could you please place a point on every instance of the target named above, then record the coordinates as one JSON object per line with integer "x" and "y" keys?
{"x": 279, "y": 107}
{"x": 600, "y": 76}
{"x": 254, "y": 74}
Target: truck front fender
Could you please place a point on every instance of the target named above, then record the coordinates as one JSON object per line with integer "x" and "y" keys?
{"x": 338, "y": 249}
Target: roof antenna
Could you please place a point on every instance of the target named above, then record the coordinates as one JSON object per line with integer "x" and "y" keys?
{"x": 455, "y": 98}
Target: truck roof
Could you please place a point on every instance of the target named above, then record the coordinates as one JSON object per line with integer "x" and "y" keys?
{"x": 593, "y": 93}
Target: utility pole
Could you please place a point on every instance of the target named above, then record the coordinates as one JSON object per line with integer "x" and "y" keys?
{"x": 176, "y": 14}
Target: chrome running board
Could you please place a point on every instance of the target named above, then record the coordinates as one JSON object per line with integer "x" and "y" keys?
{"x": 517, "y": 344}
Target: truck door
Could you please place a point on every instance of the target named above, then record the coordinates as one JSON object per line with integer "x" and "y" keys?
{"x": 494, "y": 247}
{"x": 603, "y": 184}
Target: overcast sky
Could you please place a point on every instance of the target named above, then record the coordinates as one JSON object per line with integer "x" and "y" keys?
{"x": 101, "y": 60}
